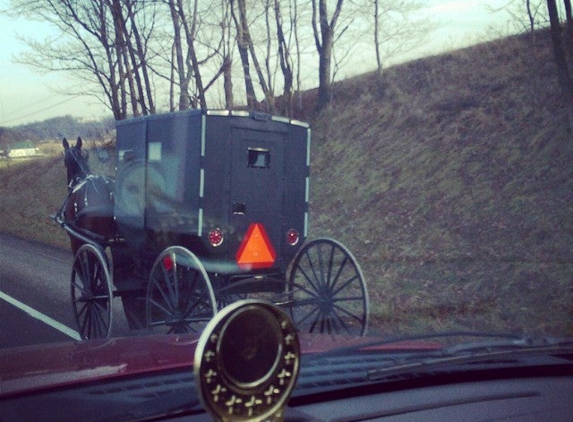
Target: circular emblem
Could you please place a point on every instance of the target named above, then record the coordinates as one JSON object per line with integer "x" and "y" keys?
{"x": 247, "y": 361}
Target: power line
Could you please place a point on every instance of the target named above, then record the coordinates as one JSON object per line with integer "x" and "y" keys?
{"x": 41, "y": 110}
{"x": 36, "y": 103}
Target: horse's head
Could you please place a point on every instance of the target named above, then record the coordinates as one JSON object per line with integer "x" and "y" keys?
{"x": 76, "y": 160}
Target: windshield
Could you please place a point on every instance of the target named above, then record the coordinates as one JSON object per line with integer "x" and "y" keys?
{"x": 399, "y": 171}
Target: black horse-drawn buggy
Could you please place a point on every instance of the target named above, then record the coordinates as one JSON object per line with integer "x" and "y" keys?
{"x": 206, "y": 207}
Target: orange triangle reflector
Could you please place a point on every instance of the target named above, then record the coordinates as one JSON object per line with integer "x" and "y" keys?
{"x": 256, "y": 250}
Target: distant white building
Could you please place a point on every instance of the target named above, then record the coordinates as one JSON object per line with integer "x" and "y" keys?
{"x": 22, "y": 149}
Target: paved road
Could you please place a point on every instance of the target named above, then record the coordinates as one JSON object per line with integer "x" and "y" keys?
{"x": 35, "y": 305}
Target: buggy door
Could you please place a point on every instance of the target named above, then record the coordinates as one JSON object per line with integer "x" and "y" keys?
{"x": 257, "y": 182}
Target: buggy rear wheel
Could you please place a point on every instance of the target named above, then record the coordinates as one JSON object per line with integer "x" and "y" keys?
{"x": 91, "y": 293}
{"x": 326, "y": 289}
{"x": 180, "y": 297}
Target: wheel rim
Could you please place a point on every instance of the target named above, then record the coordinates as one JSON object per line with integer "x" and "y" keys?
{"x": 327, "y": 290}
{"x": 91, "y": 293}
{"x": 180, "y": 297}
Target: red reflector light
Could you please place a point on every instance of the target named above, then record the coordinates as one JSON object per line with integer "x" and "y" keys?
{"x": 292, "y": 237}
{"x": 256, "y": 250}
{"x": 216, "y": 237}
{"x": 168, "y": 263}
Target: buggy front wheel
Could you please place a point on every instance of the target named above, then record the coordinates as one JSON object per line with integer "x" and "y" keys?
{"x": 180, "y": 298}
{"x": 326, "y": 289}
{"x": 91, "y": 293}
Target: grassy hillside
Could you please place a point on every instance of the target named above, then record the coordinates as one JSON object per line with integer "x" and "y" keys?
{"x": 450, "y": 178}
{"x": 32, "y": 189}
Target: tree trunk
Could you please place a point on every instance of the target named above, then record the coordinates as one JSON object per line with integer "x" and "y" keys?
{"x": 563, "y": 73}
{"x": 183, "y": 81}
{"x": 242, "y": 46}
{"x": 284, "y": 57}
{"x": 191, "y": 53}
{"x": 228, "y": 82}
{"x": 138, "y": 53}
{"x": 324, "y": 71}
{"x": 123, "y": 57}
{"x": 324, "y": 45}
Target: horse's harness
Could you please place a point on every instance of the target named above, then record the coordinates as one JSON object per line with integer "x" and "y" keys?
{"x": 85, "y": 181}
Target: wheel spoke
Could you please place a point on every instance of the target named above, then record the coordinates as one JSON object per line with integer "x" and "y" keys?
{"x": 85, "y": 323}
{"x": 338, "y": 318}
{"x": 345, "y": 284}
{"x": 98, "y": 307}
{"x": 80, "y": 288}
{"x": 315, "y": 280}
{"x": 339, "y": 273}
{"x": 167, "y": 281}
{"x": 348, "y": 313}
{"x": 166, "y": 298}
{"x": 98, "y": 321}
{"x": 330, "y": 264}
{"x": 301, "y": 288}
{"x": 307, "y": 277}
{"x": 321, "y": 281}
{"x": 82, "y": 310}
{"x": 85, "y": 269}
{"x": 161, "y": 307}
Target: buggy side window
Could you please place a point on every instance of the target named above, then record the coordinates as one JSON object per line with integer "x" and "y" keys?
{"x": 126, "y": 155}
{"x": 259, "y": 158}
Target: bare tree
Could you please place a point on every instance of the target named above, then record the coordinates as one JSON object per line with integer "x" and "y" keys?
{"x": 323, "y": 27}
{"x": 179, "y": 67}
{"x": 526, "y": 15}
{"x": 140, "y": 56}
{"x": 294, "y": 17}
{"x": 396, "y": 30}
{"x": 243, "y": 41}
{"x": 94, "y": 46}
{"x": 226, "y": 54}
{"x": 284, "y": 59}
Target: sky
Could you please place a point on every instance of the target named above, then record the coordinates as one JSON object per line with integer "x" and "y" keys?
{"x": 27, "y": 96}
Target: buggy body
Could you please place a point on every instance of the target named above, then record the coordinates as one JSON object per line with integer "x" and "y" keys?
{"x": 232, "y": 187}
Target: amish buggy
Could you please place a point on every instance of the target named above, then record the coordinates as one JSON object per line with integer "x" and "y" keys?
{"x": 206, "y": 207}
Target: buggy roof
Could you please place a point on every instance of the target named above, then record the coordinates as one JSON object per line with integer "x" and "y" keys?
{"x": 257, "y": 115}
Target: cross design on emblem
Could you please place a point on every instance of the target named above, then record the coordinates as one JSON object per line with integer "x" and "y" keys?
{"x": 217, "y": 391}
{"x": 289, "y": 338}
{"x": 209, "y": 355}
{"x": 289, "y": 357}
{"x": 270, "y": 393}
{"x": 251, "y": 404}
{"x": 282, "y": 375}
{"x": 209, "y": 375}
{"x": 232, "y": 402}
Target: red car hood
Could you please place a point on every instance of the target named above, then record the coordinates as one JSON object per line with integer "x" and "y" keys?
{"x": 62, "y": 364}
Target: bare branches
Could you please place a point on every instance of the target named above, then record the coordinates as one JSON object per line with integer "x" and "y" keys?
{"x": 141, "y": 56}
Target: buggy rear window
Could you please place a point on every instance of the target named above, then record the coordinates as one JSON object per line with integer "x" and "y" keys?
{"x": 259, "y": 158}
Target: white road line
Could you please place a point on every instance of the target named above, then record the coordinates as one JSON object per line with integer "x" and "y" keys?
{"x": 40, "y": 316}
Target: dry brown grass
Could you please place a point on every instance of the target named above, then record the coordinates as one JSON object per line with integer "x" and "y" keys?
{"x": 33, "y": 189}
{"x": 451, "y": 180}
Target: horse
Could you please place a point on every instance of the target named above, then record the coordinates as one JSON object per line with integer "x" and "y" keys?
{"x": 88, "y": 208}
